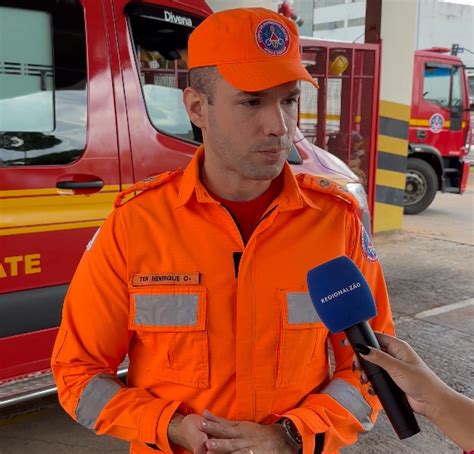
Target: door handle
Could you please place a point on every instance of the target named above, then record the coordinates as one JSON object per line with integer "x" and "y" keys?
{"x": 68, "y": 184}
{"x": 421, "y": 134}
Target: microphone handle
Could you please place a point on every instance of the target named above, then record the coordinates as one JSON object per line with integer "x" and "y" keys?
{"x": 392, "y": 398}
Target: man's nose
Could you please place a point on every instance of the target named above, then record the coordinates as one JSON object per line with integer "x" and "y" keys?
{"x": 275, "y": 122}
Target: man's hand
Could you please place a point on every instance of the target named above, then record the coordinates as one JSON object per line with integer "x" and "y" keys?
{"x": 244, "y": 437}
{"x": 187, "y": 432}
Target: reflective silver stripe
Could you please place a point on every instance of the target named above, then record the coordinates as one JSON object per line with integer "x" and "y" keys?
{"x": 352, "y": 400}
{"x": 300, "y": 308}
{"x": 92, "y": 241}
{"x": 166, "y": 310}
{"x": 96, "y": 395}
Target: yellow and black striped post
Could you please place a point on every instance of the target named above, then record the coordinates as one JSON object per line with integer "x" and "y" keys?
{"x": 392, "y": 151}
{"x": 398, "y": 50}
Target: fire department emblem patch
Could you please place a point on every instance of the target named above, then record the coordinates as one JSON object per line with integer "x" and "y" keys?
{"x": 436, "y": 123}
{"x": 272, "y": 37}
{"x": 368, "y": 247}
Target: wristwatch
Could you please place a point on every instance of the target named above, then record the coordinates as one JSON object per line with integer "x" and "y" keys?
{"x": 291, "y": 430}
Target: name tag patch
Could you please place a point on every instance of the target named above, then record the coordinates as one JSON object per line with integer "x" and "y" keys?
{"x": 139, "y": 280}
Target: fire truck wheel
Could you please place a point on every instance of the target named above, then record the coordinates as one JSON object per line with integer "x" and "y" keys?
{"x": 421, "y": 186}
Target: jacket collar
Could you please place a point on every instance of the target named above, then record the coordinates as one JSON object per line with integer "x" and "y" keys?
{"x": 191, "y": 182}
{"x": 290, "y": 198}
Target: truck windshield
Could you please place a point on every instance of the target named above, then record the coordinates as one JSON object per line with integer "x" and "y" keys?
{"x": 437, "y": 83}
{"x": 160, "y": 37}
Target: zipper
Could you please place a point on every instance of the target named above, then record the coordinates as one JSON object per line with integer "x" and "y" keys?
{"x": 236, "y": 267}
{"x": 237, "y": 226}
{"x": 237, "y": 256}
{"x": 266, "y": 214}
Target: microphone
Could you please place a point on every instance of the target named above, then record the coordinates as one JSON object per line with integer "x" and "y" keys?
{"x": 343, "y": 300}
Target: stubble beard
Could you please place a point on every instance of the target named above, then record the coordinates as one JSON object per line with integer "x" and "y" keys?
{"x": 264, "y": 171}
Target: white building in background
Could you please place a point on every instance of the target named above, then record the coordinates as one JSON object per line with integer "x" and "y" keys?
{"x": 440, "y": 23}
{"x": 218, "y": 5}
{"x": 341, "y": 20}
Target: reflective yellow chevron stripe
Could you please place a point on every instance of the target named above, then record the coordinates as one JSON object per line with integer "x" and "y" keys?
{"x": 313, "y": 116}
{"x": 426, "y": 123}
{"x": 46, "y": 209}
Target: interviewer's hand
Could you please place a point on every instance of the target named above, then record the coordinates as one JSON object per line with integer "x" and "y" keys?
{"x": 407, "y": 370}
{"x": 244, "y": 437}
{"x": 447, "y": 409}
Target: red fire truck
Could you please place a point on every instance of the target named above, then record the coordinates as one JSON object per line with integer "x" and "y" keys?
{"x": 439, "y": 130}
{"x": 91, "y": 102}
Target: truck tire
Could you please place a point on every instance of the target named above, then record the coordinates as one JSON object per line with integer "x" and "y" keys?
{"x": 421, "y": 186}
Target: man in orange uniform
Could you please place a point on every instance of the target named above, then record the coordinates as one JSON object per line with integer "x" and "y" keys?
{"x": 201, "y": 278}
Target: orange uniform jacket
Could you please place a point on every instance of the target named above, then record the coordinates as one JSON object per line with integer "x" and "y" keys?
{"x": 209, "y": 322}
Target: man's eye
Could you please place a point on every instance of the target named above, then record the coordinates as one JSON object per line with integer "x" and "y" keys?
{"x": 291, "y": 101}
{"x": 251, "y": 102}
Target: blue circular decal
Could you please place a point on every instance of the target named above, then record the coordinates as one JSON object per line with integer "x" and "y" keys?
{"x": 436, "y": 123}
{"x": 272, "y": 37}
{"x": 368, "y": 247}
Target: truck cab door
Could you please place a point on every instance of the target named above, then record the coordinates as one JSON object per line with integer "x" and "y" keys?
{"x": 438, "y": 108}
{"x": 59, "y": 168}
{"x": 456, "y": 104}
{"x": 152, "y": 43}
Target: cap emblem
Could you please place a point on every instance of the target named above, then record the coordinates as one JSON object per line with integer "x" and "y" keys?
{"x": 272, "y": 37}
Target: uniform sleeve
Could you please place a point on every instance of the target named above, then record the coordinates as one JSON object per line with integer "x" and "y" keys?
{"x": 343, "y": 408}
{"x": 93, "y": 340}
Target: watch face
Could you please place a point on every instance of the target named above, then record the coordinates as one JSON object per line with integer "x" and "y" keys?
{"x": 292, "y": 430}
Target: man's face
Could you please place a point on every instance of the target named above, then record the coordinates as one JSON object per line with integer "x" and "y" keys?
{"x": 247, "y": 135}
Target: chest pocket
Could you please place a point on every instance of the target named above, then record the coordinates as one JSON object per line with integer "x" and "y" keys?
{"x": 302, "y": 353}
{"x": 170, "y": 322}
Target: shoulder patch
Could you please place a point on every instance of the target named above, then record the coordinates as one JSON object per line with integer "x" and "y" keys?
{"x": 327, "y": 186}
{"x": 144, "y": 185}
{"x": 367, "y": 246}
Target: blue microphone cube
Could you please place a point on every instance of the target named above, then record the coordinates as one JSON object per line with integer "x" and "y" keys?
{"x": 340, "y": 294}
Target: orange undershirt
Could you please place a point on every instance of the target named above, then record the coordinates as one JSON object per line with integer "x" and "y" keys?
{"x": 246, "y": 214}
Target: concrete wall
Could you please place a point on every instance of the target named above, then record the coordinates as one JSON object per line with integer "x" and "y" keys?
{"x": 443, "y": 24}
{"x": 305, "y": 10}
{"x": 394, "y": 112}
{"x": 398, "y": 49}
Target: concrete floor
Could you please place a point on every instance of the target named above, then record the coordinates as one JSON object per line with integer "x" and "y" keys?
{"x": 450, "y": 217}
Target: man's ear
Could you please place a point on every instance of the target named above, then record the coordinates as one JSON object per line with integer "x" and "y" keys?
{"x": 195, "y": 104}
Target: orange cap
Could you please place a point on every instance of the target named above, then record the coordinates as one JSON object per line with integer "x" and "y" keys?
{"x": 253, "y": 48}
